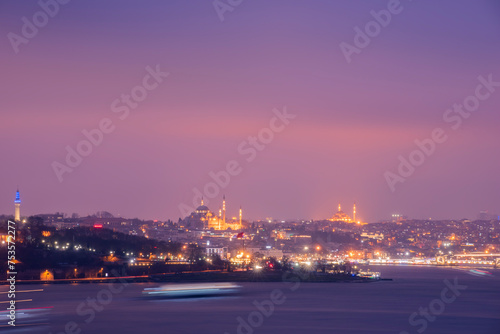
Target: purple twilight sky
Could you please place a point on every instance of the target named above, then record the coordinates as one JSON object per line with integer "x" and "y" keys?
{"x": 352, "y": 119}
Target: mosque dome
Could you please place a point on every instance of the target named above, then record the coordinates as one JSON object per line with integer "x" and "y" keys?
{"x": 202, "y": 208}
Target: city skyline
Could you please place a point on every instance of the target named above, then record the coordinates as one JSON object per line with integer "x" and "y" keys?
{"x": 250, "y": 166}
{"x": 202, "y": 88}
{"x": 222, "y": 209}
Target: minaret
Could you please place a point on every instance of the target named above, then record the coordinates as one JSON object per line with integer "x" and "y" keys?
{"x": 202, "y": 201}
{"x": 224, "y": 210}
{"x": 241, "y": 226}
{"x": 17, "y": 205}
{"x": 354, "y": 212}
{"x": 220, "y": 217}
{"x": 340, "y": 209}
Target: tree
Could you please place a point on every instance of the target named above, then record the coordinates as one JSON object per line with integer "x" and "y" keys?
{"x": 34, "y": 228}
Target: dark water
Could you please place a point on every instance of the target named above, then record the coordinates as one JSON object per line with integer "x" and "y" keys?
{"x": 381, "y": 307}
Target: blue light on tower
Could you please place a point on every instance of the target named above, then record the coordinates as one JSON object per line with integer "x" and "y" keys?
{"x": 18, "y": 197}
{"x": 17, "y": 207}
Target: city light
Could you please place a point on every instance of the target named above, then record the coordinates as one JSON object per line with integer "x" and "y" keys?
{"x": 338, "y": 159}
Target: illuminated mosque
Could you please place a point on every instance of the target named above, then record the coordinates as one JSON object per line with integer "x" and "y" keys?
{"x": 341, "y": 216}
{"x": 203, "y": 218}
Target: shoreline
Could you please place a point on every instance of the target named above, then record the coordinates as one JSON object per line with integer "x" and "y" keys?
{"x": 214, "y": 277}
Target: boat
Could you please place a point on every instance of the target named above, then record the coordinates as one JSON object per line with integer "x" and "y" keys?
{"x": 369, "y": 274}
{"x": 192, "y": 290}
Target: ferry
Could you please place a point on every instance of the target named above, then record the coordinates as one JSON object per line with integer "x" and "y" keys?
{"x": 369, "y": 274}
{"x": 192, "y": 290}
